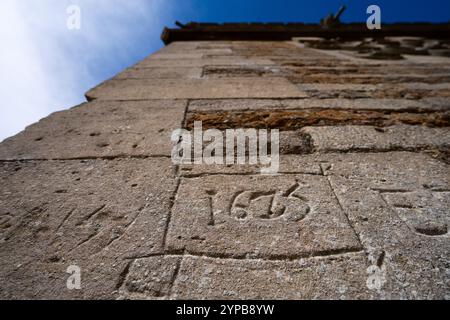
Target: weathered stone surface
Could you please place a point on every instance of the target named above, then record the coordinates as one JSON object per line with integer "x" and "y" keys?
{"x": 427, "y": 104}
{"x": 299, "y": 104}
{"x": 369, "y": 79}
{"x": 100, "y": 129}
{"x": 216, "y": 61}
{"x": 387, "y": 50}
{"x": 48, "y": 280}
{"x": 438, "y": 102}
{"x": 160, "y": 73}
{"x": 368, "y": 138}
{"x": 90, "y": 213}
{"x": 377, "y": 69}
{"x": 234, "y": 104}
{"x": 295, "y": 142}
{"x": 195, "y": 89}
{"x": 271, "y": 49}
{"x": 379, "y": 91}
{"x": 288, "y": 120}
{"x": 246, "y": 71}
{"x": 207, "y": 45}
{"x": 350, "y": 218}
{"x": 339, "y": 277}
{"x": 371, "y": 87}
{"x": 429, "y": 60}
{"x": 213, "y": 52}
{"x": 259, "y": 216}
{"x": 175, "y": 56}
{"x": 399, "y": 209}
{"x": 288, "y": 164}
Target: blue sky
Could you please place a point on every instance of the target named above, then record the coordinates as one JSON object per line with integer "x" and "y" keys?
{"x": 45, "y": 67}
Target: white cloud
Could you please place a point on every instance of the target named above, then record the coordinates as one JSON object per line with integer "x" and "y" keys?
{"x": 45, "y": 67}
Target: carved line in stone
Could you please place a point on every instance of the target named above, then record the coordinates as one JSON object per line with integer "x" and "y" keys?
{"x": 244, "y": 257}
{"x": 431, "y": 229}
{"x": 121, "y": 282}
{"x": 345, "y": 213}
{"x": 211, "y": 194}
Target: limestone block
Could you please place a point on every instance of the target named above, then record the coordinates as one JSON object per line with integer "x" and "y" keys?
{"x": 100, "y": 129}
{"x": 89, "y": 213}
{"x": 133, "y": 89}
{"x": 287, "y": 216}
{"x": 340, "y": 277}
{"x": 368, "y": 138}
{"x": 160, "y": 73}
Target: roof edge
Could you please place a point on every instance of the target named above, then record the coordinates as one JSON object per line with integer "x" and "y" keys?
{"x": 282, "y": 32}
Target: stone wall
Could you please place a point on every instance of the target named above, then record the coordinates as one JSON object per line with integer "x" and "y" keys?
{"x": 364, "y": 178}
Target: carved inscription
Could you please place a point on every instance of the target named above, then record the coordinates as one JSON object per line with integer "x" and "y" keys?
{"x": 270, "y": 205}
{"x": 423, "y": 209}
{"x": 262, "y": 216}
